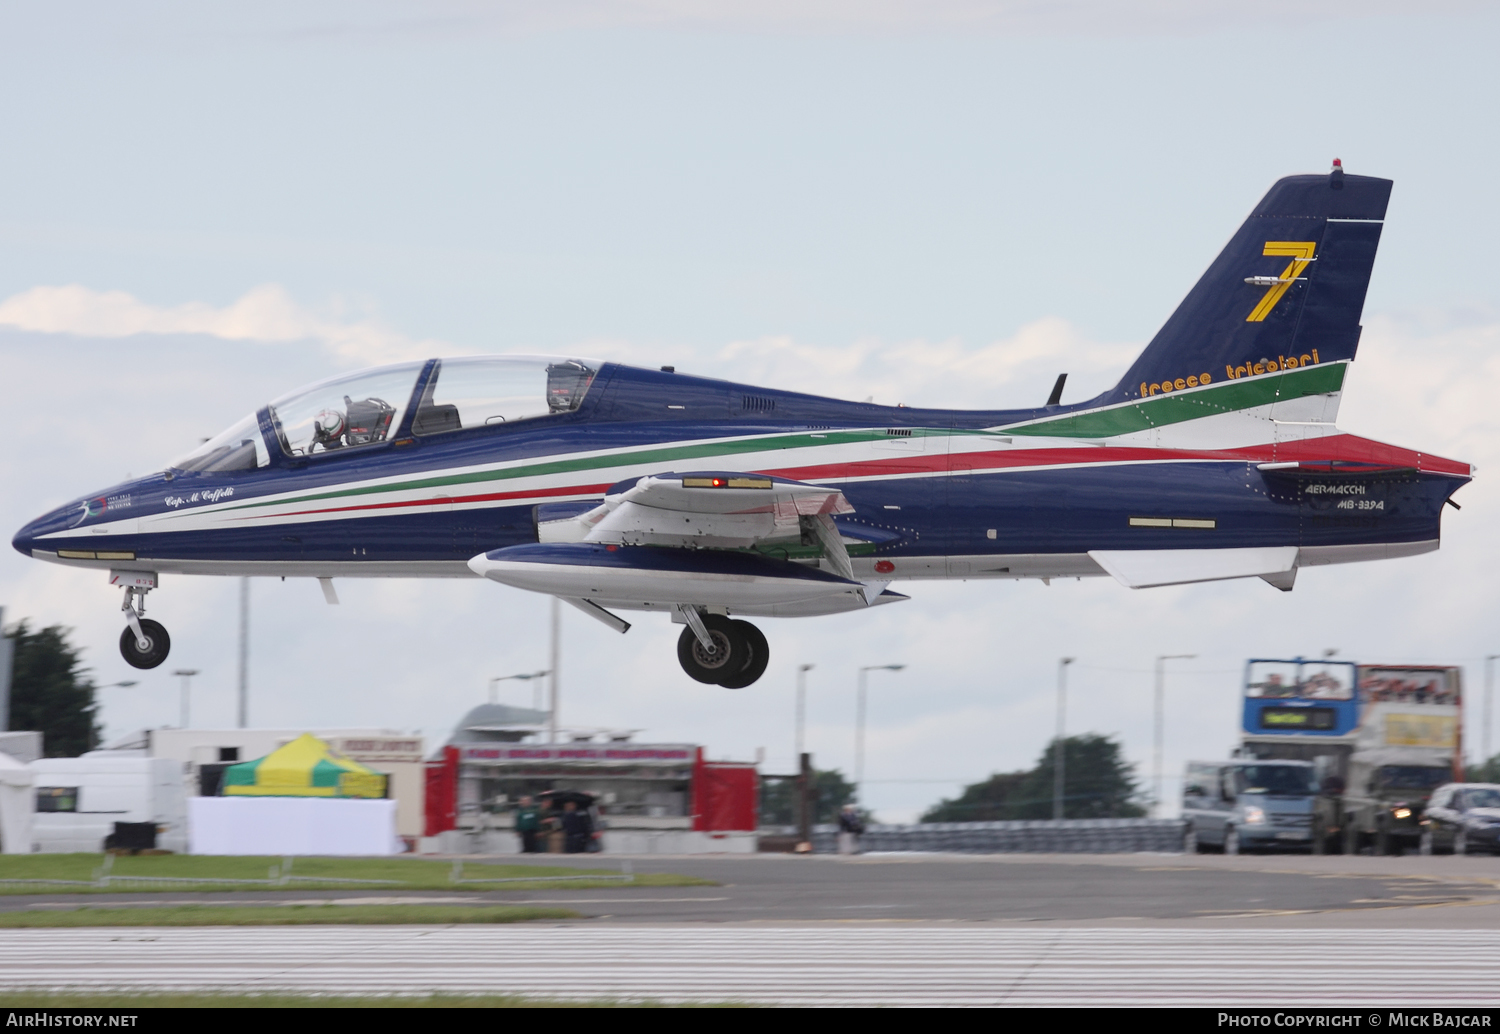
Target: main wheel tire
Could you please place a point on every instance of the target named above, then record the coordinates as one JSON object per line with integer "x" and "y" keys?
{"x": 1232, "y": 841}
{"x": 727, "y": 660}
{"x": 159, "y": 644}
{"x": 757, "y": 656}
{"x": 1461, "y": 842}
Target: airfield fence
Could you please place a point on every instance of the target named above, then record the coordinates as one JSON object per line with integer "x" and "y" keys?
{"x": 1050, "y": 836}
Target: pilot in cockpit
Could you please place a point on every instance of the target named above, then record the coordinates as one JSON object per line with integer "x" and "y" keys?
{"x": 359, "y": 423}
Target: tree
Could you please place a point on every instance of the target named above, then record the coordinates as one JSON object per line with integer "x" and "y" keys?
{"x": 1098, "y": 784}
{"x": 1484, "y": 772}
{"x": 778, "y": 798}
{"x": 50, "y": 691}
{"x": 993, "y": 800}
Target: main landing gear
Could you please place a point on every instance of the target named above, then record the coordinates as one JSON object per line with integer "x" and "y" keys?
{"x": 144, "y": 643}
{"x": 720, "y": 651}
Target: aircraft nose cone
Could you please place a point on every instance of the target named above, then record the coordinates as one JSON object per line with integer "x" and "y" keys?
{"x": 27, "y": 539}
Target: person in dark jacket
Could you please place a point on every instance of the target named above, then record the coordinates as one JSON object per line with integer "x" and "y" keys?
{"x": 578, "y": 828}
{"x": 851, "y": 828}
{"x": 528, "y": 825}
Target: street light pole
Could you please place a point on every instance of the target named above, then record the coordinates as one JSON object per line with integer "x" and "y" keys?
{"x": 1160, "y": 718}
{"x": 7, "y": 652}
{"x": 802, "y": 670}
{"x": 186, "y": 674}
{"x": 242, "y": 711}
{"x": 1489, "y": 701}
{"x": 556, "y": 669}
{"x": 1059, "y": 762}
{"x": 859, "y": 727}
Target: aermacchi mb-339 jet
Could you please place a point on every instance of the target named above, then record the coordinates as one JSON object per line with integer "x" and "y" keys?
{"x": 624, "y": 489}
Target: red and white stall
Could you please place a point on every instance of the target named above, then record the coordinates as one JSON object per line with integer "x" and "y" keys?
{"x": 651, "y": 798}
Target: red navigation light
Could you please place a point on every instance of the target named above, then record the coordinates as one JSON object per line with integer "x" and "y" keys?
{"x": 718, "y": 482}
{"x": 1338, "y": 164}
{"x": 884, "y": 566}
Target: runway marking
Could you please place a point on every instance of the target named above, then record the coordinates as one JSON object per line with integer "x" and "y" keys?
{"x": 832, "y": 965}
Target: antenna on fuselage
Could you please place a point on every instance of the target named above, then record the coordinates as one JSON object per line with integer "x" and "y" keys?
{"x": 1055, "y": 399}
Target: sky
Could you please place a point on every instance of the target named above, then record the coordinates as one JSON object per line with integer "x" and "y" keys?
{"x": 941, "y": 204}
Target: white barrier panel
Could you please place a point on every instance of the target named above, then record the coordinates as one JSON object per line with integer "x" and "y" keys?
{"x": 291, "y": 826}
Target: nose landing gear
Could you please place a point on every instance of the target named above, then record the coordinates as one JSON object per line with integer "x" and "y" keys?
{"x": 144, "y": 643}
{"x": 718, "y": 651}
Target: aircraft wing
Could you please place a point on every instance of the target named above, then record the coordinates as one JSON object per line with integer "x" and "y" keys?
{"x": 716, "y": 510}
{"x": 705, "y": 514}
{"x": 1144, "y": 568}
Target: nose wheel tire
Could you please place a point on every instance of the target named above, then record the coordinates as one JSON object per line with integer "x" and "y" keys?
{"x": 158, "y": 645}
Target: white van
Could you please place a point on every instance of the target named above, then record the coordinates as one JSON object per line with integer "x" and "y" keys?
{"x": 79, "y": 800}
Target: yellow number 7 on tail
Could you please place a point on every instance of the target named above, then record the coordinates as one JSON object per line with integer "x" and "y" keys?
{"x": 1301, "y": 254}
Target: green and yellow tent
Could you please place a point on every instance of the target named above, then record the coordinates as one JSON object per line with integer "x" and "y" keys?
{"x": 305, "y": 767}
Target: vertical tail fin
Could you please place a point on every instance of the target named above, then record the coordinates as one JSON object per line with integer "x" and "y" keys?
{"x": 1286, "y": 292}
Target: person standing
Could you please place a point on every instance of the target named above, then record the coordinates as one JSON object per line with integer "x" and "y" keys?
{"x": 851, "y": 828}
{"x": 528, "y": 825}
{"x": 578, "y": 828}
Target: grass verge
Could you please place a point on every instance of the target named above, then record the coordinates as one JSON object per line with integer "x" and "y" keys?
{"x": 280, "y": 915}
{"x": 404, "y": 873}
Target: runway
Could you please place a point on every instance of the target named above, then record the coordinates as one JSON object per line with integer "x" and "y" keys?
{"x": 821, "y": 965}
{"x": 1109, "y": 930}
{"x": 1029, "y": 889}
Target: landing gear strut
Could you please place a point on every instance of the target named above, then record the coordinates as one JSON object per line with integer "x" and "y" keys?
{"x": 718, "y": 651}
{"x": 144, "y": 643}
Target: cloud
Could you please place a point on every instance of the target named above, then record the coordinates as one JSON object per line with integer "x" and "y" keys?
{"x": 916, "y": 372}
{"x": 1092, "y": 18}
{"x": 264, "y": 313}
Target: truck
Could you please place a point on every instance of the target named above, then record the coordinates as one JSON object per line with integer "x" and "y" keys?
{"x": 1381, "y": 738}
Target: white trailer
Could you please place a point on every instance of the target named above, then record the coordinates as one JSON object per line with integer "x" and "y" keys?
{"x": 79, "y": 800}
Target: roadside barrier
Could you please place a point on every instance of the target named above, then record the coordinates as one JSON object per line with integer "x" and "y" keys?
{"x": 1050, "y": 836}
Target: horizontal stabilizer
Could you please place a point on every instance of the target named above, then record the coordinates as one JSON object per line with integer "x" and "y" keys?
{"x": 1144, "y": 568}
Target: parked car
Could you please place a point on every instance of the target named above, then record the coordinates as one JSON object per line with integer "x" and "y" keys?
{"x": 1462, "y": 818}
{"x": 1242, "y": 806}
